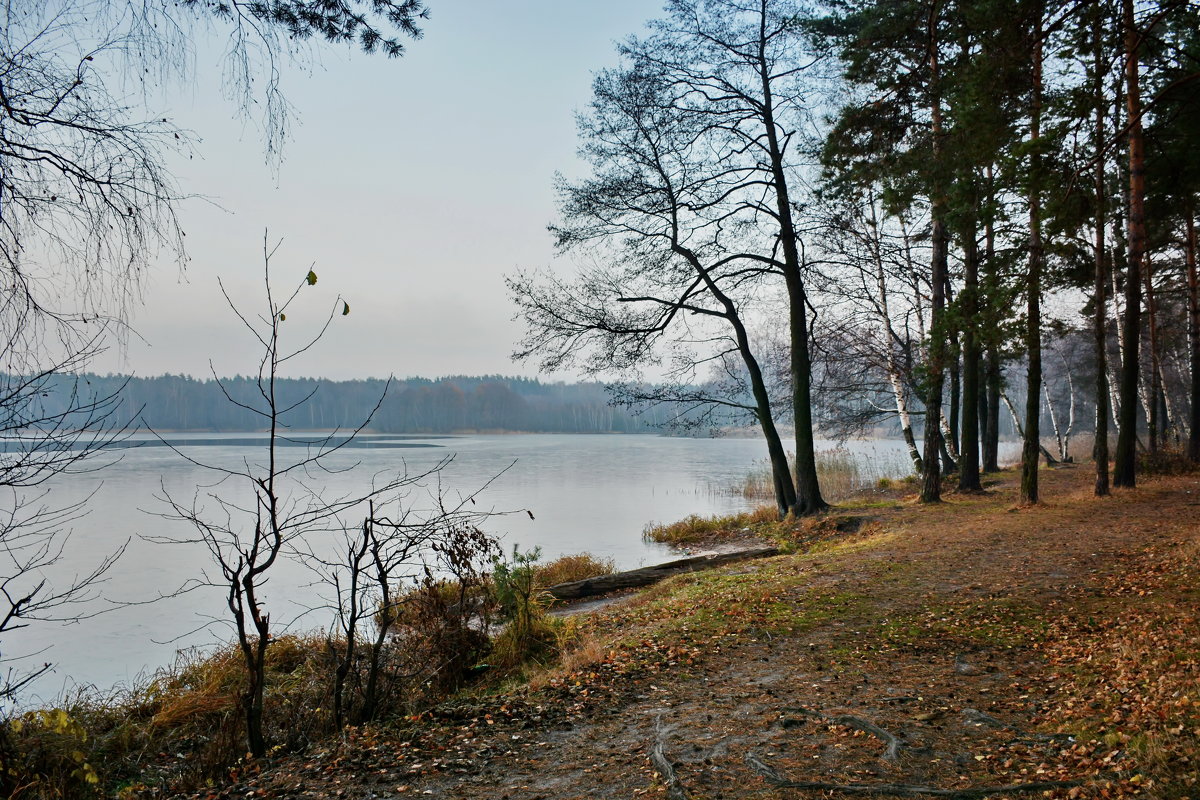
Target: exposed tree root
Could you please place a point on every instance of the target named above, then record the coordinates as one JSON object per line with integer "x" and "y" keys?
{"x": 891, "y": 751}
{"x": 979, "y": 718}
{"x": 776, "y": 779}
{"x": 662, "y": 764}
{"x": 1044, "y": 738}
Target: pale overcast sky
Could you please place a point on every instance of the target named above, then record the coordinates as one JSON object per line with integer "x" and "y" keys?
{"x": 410, "y": 185}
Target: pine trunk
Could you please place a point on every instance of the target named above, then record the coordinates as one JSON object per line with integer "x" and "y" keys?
{"x": 1033, "y": 334}
{"x": 1193, "y": 283}
{"x": 968, "y": 460}
{"x": 931, "y": 485}
{"x": 1099, "y": 298}
{"x": 1124, "y": 466}
{"x": 992, "y": 374}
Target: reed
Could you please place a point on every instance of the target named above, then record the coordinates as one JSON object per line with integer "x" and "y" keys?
{"x": 695, "y": 529}
{"x": 573, "y": 567}
{"x": 841, "y": 472}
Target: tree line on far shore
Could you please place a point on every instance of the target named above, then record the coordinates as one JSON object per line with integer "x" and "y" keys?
{"x": 411, "y": 405}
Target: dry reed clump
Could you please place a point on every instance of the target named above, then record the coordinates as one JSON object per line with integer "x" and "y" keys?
{"x": 573, "y": 567}
{"x": 577, "y": 654}
{"x": 695, "y": 529}
{"x": 790, "y": 534}
{"x": 842, "y": 474}
{"x": 196, "y": 713}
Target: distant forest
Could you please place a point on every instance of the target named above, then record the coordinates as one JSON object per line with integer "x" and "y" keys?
{"x": 410, "y": 405}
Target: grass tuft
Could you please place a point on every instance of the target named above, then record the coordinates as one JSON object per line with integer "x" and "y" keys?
{"x": 698, "y": 530}
{"x": 573, "y": 567}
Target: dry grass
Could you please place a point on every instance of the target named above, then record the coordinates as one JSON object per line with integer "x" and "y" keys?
{"x": 183, "y": 727}
{"x": 842, "y": 473}
{"x": 578, "y": 654}
{"x": 180, "y": 728}
{"x": 573, "y": 567}
{"x": 697, "y": 530}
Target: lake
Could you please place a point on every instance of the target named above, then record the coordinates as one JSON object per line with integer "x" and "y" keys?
{"x": 582, "y": 492}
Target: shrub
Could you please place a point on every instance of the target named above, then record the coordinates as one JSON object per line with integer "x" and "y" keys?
{"x": 44, "y": 754}
{"x": 1169, "y": 460}
{"x": 183, "y": 727}
{"x": 530, "y": 635}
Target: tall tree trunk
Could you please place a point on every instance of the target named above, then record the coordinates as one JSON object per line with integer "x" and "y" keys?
{"x": 951, "y": 413}
{"x": 954, "y": 418}
{"x": 931, "y": 485}
{"x": 968, "y": 461}
{"x": 1120, "y": 295}
{"x": 1193, "y": 282}
{"x": 1100, "y": 345}
{"x": 1099, "y": 299}
{"x": 1033, "y": 325}
{"x": 785, "y": 496}
{"x": 931, "y": 491}
{"x": 992, "y": 374}
{"x": 807, "y": 486}
{"x": 1124, "y": 466}
{"x": 895, "y": 377}
{"x": 1154, "y": 420}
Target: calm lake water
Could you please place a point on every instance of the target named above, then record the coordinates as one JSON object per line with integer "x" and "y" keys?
{"x": 593, "y": 493}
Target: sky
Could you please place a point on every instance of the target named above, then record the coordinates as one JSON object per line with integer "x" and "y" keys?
{"x": 411, "y": 186}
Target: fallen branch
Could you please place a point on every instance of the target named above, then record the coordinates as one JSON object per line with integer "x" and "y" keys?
{"x": 662, "y": 764}
{"x": 776, "y": 779}
{"x": 603, "y": 584}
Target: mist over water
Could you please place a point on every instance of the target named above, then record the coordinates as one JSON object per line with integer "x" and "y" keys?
{"x": 582, "y": 492}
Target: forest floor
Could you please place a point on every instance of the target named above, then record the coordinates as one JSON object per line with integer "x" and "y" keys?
{"x": 949, "y": 650}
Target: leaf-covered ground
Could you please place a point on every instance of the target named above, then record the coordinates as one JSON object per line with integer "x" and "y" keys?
{"x": 936, "y": 651}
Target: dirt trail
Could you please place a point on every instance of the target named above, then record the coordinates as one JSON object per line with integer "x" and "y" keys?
{"x": 917, "y": 653}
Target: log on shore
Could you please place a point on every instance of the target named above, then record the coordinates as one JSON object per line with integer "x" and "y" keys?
{"x": 603, "y": 584}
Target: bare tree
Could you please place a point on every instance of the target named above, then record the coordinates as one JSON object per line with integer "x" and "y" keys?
{"x": 658, "y": 210}
{"x": 746, "y": 71}
{"x": 872, "y": 341}
{"x": 247, "y": 537}
{"x": 693, "y": 149}
{"x": 87, "y": 205}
